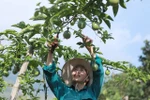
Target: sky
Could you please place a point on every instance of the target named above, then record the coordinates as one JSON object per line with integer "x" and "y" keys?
{"x": 130, "y": 27}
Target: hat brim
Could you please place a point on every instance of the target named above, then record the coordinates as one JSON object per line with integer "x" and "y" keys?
{"x": 69, "y": 65}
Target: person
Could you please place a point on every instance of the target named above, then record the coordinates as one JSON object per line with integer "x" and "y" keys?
{"x": 77, "y": 81}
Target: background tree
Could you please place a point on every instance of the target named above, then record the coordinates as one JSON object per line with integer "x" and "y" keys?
{"x": 123, "y": 84}
{"x": 145, "y": 60}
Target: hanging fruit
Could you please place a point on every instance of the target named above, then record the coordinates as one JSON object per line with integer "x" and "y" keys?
{"x": 67, "y": 34}
{"x": 107, "y": 72}
{"x": 36, "y": 72}
{"x": 113, "y": 2}
{"x": 81, "y": 23}
{"x": 95, "y": 26}
{"x": 95, "y": 67}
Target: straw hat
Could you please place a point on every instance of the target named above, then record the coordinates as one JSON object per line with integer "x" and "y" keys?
{"x": 69, "y": 65}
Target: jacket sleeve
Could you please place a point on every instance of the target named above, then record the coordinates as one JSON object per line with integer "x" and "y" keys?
{"x": 54, "y": 81}
{"x": 98, "y": 77}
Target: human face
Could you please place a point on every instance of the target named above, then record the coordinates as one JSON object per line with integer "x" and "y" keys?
{"x": 79, "y": 74}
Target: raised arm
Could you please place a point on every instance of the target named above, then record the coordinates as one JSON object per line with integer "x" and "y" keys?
{"x": 98, "y": 75}
{"x": 52, "y": 78}
{"x": 89, "y": 47}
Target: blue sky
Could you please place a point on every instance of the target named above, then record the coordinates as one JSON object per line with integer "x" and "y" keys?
{"x": 130, "y": 27}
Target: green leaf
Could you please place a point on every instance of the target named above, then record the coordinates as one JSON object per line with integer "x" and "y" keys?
{"x": 106, "y": 16}
{"x": 31, "y": 35}
{"x": 81, "y": 46}
{"x": 39, "y": 17}
{"x": 36, "y": 13}
{"x": 43, "y": 9}
{"x": 38, "y": 4}
{"x": 51, "y": 1}
{"x": 26, "y": 30}
{"x": 122, "y": 4}
{"x": 110, "y": 18}
{"x": 103, "y": 39}
{"x": 31, "y": 49}
{"x": 79, "y": 43}
{"x": 99, "y": 53}
{"x": 20, "y": 25}
{"x": 38, "y": 81}
{"x": 115, "y": 9}
{"x": 10, "y": 31}
{"x": 107, "y": 23}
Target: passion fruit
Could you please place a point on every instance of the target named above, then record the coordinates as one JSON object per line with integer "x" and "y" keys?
{"x": 81, "y": 23}
{"x": 107, "y": 72}
{"x": 95, "y": 67}
{"x": 113, "y": 2}
{"x": 95, "y": 26}
{"x": 37, "y": 72}
{"x": 1, "y": 47}
{"x": 67, "y": 34}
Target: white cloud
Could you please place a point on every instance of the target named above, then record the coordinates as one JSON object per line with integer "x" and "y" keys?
{"x": 114, "y": 49}
{"x": 147, "y": 37}
{"x": 125, "y": 46}
{"x": 136, "y": 38}
{"x": 121, "y": 48}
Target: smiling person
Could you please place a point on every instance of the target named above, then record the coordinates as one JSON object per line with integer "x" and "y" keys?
{"x": 78, "y": 81}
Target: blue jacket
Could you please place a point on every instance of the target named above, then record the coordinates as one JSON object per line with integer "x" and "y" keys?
{"x": 63, "y": 92}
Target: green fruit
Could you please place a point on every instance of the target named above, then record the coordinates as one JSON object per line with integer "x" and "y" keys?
{"x": 37, "y": 45}
{"x": 81, "y": 24}
{"x": 37, "y": 72}
{"x": 138, "y": 80}
{"x": 113, "y": 2}
{"x": 73, "y": 22}
{"x": 107, "y": 72}
{"x": 95, "y": 26}
{"x": 95, "y": 67}
{"x": 1, "y": 47}
{"x": 67, "y": 34}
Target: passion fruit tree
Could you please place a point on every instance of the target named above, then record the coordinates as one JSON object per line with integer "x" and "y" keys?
{"x": 27, "y": 53}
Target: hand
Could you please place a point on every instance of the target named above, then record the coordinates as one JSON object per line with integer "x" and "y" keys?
{"x": 89, "y": 41}
{"x": 54, "y": 44}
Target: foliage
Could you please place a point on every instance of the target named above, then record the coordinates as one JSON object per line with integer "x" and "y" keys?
{"x": 144, "y": 58}
{"x": 61, "y": 16}
{"x": 124, "y": 84}
{"x": 121, "y": 85}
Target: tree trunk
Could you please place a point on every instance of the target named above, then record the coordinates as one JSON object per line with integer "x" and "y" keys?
{"x": 125, "y": 98}
{"x": 23, "y": 69}
{"x": 16, "y": 86}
